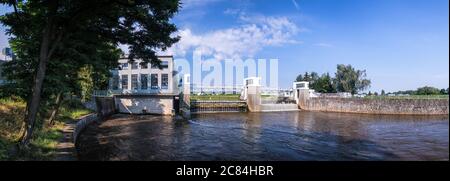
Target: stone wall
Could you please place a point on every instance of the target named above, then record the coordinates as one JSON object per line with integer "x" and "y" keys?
{"x": 105, "y": 106}
{"x": 377, "y": 106}
{"x": 82, "y": 123}
{"x": 146, "y": 104}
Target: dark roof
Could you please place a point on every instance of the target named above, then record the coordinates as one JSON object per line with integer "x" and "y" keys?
{"x": 159, "y": 56}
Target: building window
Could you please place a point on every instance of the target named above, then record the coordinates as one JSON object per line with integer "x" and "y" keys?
{"x": 144, "y": 81}
{"x": 124, "y": 66}
{"x": 144, "y": 65}
{"x": 134, "y": 65}
{"x": 164, "y": 64}
{"x": 125, "y": 82}
{"x": 154, "y": 81}
{"x": 115, "y": 82}
{"x": 164, "y": 81}
{"x": 249, "y": 81}
{"x": 134, "y": 81}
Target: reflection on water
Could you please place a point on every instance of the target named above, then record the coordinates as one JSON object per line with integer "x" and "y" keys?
{"x": 268, "y": 136}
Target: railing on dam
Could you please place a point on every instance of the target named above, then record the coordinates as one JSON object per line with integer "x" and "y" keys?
{"x": 218, "y": 106}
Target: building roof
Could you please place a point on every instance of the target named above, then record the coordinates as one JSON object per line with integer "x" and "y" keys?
{"x": 159, "y": 56}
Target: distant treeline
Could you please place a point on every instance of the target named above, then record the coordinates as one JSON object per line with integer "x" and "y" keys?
{"x": 427, "y": 90}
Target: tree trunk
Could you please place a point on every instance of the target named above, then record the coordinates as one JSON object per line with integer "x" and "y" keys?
{"x": 30, "y": 117}
{"x": 59, "y": 100}
{"x": 35, "y": 99}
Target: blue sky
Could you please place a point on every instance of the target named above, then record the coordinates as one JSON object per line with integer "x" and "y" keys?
{"x": 403, "y": 44}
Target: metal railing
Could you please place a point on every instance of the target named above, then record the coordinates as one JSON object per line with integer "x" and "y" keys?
{"x": 109, "y": 93}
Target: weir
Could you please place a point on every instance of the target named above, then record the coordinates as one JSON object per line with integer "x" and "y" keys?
{"x": 218, "y": 106}
{"x": 255, "y": 100}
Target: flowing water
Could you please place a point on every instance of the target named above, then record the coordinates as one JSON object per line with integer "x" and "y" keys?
{"x": 268, "y": 136}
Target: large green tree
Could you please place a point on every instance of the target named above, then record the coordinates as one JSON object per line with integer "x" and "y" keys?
{"x": 349, "y": 79}
{"x": 43, "y": 28}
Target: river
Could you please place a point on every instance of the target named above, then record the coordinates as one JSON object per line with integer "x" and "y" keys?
{"x": 295, "y": 136}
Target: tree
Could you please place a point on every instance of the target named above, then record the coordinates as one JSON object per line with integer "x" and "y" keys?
{"x": 46, "y": 26}
{"x": 383, "y": 93}
{"x": 427, "y": 91}
{"x": 324, "y": 84}
{"x": 347, "y": 79}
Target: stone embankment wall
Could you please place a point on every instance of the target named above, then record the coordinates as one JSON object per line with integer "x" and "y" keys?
{"x": 377, "y": 106}
{"x": 145, "y": 104}
{"x": 82, "y": 123}
{"x": 105, "y": 106}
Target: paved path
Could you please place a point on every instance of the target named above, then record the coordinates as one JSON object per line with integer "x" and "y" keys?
{"x": 65, "y": 150}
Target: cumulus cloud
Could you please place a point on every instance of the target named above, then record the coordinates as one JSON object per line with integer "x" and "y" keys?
{"x": 243, "y": 41}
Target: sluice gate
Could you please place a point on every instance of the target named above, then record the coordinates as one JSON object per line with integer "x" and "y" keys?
{"x": 218, "y": 106}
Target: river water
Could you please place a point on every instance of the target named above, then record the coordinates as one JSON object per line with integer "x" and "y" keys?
{"x": 268, "y": 136}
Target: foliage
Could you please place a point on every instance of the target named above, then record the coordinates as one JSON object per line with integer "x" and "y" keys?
{"x": 427, "y": 91}
{"x": 346, "y": 79}
{"x": 323, "y": 83}
{"x": 54, "y": 40}
{"x": 45, "y": 139}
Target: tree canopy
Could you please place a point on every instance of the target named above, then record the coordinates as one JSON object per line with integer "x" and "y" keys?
{"x": 55, "y": 40}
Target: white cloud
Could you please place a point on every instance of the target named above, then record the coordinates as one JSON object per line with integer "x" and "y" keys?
{"x": 243, "y": 41}
{"x": 296, "y": 4}
{"x": 186, "y": 4}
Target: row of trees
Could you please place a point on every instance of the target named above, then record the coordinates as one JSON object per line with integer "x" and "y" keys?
{"x": 67, "y": 46}
{"x": 426, "y": 90}
{"x": 346, "y": 79}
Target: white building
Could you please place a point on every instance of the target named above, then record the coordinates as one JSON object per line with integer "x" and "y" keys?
{"x": 144, "y": 88}
{"x": 138, "y": 78}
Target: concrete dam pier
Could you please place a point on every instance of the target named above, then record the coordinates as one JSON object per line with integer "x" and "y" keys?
{"x": 252, "y": 100}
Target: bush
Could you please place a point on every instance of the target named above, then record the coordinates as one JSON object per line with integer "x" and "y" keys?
{"x": 428, "y": 91}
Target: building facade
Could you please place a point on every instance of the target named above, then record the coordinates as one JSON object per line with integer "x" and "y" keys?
{"x": 138, "y": 78}
{"x": 144, "y": 88}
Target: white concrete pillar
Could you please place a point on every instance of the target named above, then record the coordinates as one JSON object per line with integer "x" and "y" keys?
{"x": 185, "y": 96}
{"x": 253, "y": 91}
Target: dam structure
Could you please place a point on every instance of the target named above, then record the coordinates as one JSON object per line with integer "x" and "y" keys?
{"x": 161, "y": 91}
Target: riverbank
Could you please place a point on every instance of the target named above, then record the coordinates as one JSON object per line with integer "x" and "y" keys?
{"x": 45, "y": 143}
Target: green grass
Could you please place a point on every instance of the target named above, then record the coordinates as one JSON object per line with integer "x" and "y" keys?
{"x": 45, "y": 137}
